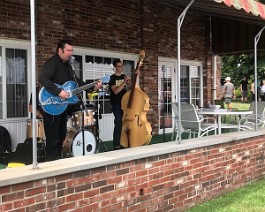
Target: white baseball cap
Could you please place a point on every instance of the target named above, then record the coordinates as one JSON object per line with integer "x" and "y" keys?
{"x": 227, "y": 79}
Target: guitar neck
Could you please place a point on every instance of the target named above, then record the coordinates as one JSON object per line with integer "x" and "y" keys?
{"x": 84, "y": 87}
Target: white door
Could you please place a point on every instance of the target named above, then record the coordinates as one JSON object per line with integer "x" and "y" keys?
{"x": 165, "y": 95}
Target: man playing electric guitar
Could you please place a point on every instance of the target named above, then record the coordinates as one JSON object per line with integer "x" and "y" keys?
{"x": 57, "y": 71}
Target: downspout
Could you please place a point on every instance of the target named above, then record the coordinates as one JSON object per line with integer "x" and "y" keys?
{"x": 214, "y": 66}
{"x": 214, "y": 77}
{"x": 256, "y": 40}
{"x": 180, "y": 20}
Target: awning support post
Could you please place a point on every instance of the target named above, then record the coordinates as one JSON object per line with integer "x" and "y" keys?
{"x": 33, "y": 84}
{"x": 256, "y": 40}
{"x": 180, "y": 20}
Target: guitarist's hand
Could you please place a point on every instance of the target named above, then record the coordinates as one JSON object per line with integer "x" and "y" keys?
{"x": 63, "y": 94}
{"x": 98, "y": 85}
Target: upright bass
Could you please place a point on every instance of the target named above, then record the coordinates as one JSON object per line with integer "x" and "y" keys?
{"x": 136, "y": 130}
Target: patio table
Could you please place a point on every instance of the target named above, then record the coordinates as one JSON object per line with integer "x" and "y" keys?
{"x": 220, "y": 112}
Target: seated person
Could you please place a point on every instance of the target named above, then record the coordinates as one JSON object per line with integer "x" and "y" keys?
{"x": 39, "y": 113}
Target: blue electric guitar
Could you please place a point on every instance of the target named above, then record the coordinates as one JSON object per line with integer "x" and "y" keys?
{"x": 54, "y": 105}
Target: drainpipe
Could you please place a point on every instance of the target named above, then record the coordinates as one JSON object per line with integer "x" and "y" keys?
{"x": 180, "y": 20}
{"x": 214, "y": 66}
{"x": 214, "y": 77}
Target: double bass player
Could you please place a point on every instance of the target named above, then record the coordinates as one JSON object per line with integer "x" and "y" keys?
{"x": 117, "y": 85}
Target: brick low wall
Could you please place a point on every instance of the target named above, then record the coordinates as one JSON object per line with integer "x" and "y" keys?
{"x": 161, "y": 177}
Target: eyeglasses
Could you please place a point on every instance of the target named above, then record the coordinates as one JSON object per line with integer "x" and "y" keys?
{"x": 119, "y": 66}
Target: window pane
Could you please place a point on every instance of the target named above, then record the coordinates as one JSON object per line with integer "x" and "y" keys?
{"x": 16, "y": 79}
{"x": 184, "y": 83}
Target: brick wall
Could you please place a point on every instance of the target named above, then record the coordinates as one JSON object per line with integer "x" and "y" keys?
{"x": 167, "y": 182}
{"x": 124, "y": 26}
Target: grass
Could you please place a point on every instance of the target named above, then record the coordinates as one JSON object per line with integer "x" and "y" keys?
{"x": 239, "y": 105}
{"x": 249, "y": 198}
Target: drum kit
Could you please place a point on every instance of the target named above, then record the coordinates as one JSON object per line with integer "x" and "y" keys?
{"x": 82, "y": 125}
{"x": 79, "y": 122}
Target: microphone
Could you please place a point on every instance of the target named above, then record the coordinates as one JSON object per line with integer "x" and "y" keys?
{"x": 164, "y": 68}
{"x": 72, "y": 59}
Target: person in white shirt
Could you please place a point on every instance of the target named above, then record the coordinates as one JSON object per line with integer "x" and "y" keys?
{"x": 228, "y": 92}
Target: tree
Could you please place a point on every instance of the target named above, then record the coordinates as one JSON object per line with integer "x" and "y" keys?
{"x": 237, "y": 66}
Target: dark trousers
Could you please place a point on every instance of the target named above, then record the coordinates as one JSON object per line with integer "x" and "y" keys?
{"x": 55, "y": 131}
{"x": 118, "y": 113}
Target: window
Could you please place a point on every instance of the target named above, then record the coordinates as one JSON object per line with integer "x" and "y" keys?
{"x": 13, "y": 80}
{"x": 165, "y": 94}
{"x": 190, "y": 84}
{"x": 93, "y": 66}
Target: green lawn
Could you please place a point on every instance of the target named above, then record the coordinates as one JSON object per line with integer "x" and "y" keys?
{"x": 240, "y": 106}
{"x": 250, "y": 198}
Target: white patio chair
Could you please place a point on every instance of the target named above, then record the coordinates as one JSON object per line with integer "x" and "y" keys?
{"x": 175, "y": 122}
{"x": 248, "y": 122}
{"x": 191, "y": 121}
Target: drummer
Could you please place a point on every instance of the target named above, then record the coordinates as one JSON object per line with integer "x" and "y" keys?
{"x": 39, "y": 117}
{"x": 39, "y": 112}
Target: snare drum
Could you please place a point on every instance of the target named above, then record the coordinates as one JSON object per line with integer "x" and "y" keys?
{"x": 88, "y": 118}
{"x": 39, "y": 129}
{"x": 73, "y": 143}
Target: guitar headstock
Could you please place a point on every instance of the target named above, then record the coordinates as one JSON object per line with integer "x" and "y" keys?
{"x": 105, "y": 79}
{"x": 103, "y": 82}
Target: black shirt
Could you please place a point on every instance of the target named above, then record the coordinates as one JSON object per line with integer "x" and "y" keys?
{"x": 116, "y": 80}
{"x": 55, "y": 70}
{"x": 37, "y": 100}
{"x": 244, "y": 84}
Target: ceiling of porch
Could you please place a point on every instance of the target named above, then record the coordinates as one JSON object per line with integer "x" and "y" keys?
{"x": 233, "y": 30}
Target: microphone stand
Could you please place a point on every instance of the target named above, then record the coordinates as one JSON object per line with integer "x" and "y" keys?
{"x": 82, "y": 106}
{"x": 83, "y": 109}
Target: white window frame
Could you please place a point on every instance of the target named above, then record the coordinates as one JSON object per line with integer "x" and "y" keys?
{"x": 14, "y": 44}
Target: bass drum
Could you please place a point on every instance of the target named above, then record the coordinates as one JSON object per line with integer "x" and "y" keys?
{"x": 90, "y": 143}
